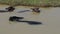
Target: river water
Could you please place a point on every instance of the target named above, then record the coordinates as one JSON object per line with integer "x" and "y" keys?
{"x": 50, "y": 18}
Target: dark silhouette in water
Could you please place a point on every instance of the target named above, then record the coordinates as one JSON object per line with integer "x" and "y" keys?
{"x": 35, "y": 10}
{"x": 23, "y": 11}
{"x": 18, "y": 19}
{"x": 10, "y": 8}
{"x": 15, "y": 18}
{"x": 31, "y": 22}
{"x": 2, "y": 11}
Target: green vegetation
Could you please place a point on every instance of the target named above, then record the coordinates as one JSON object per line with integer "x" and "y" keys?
{"x": 31, "y": 2}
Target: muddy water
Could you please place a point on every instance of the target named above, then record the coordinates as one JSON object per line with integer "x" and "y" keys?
{"x": 49, "y": 17}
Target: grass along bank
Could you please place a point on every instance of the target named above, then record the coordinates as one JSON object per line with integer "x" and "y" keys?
{"x": 36, "y": 3}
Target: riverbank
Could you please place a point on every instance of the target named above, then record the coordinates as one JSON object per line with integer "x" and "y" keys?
{"x": 43, "y": 5}
{"x": 34, "y": 3}
{"x": 4, "y": 5}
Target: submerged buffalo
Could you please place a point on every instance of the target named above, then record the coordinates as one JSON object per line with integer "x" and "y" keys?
{"x": 15, "y": 18}
{"x": 35, "y": 10}
{"x": 19, "y": 19}
{"x": 10, "y": 8}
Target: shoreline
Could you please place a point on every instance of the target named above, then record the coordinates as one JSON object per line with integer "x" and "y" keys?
{"x": 26, "y": 6}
